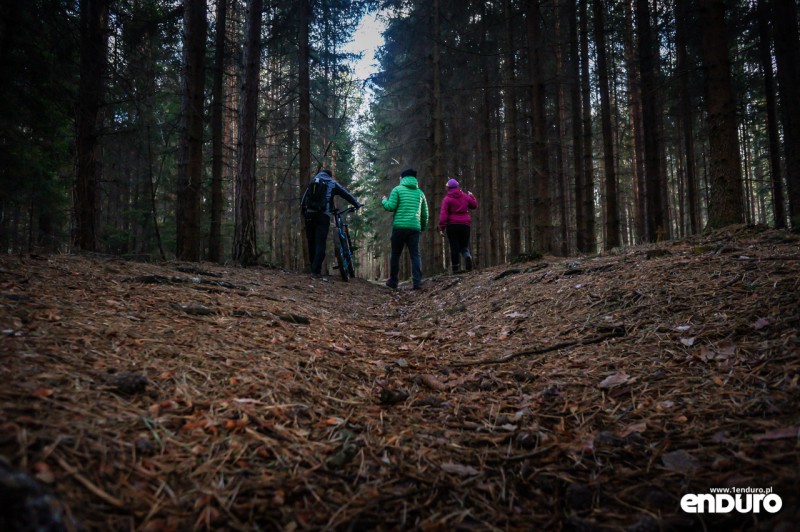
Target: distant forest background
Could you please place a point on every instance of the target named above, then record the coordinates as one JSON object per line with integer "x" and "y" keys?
{"x": 163, "y": 129}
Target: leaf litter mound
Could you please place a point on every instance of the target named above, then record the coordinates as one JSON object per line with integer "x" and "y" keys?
{"x": 572, "y": 394}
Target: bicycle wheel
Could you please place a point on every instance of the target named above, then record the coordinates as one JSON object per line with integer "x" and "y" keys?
{"x": 341, "y": 260}
{"x": 351, "y": 267}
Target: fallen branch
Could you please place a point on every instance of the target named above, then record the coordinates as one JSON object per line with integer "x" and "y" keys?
{"x": 614, "y": 333}
{"x": 506, "y": 273}
{"x": 110, "y": 499}
{"x": 756, "y": 259}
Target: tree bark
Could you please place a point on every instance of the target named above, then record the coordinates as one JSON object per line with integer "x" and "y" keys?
{"x": 582, "y": 129}
{"x": 93, "y": 47}
{"x": 434, "y": 193}
{"x": 725, "y": 178}
{"x": 686, "y": 116}
{"x": 787, "y": 56}
{"x": 244, "y": 243}
{"x": 543, "y": 222}
{"x": 612, "y": 223}
{"x": 563, "y": 200}
{"x": 765, "y": 57}
{"x": 656, "y": 221}
{"x": 217, "y": 134}
{"x": 635, "y": 113}
{"x": 512, "y": 150}
{"x": 490, "y": 222}
{"x": 190, "y": 152}
{"x": 304, "y": 111}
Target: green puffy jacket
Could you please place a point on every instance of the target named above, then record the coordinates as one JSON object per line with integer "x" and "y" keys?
{"x": 408, "y": 204}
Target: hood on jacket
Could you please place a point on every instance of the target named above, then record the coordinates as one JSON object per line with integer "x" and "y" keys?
{"x": 324, "y": 175}
{"x": 409, "y": 181}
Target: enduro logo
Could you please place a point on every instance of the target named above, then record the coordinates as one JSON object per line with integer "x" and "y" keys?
{"x": 725, "y": 500}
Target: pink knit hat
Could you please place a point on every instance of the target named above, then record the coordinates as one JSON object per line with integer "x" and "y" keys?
{"x": 452, "y": 184}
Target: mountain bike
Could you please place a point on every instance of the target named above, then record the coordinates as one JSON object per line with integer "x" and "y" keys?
{"x": 343, "y": 246}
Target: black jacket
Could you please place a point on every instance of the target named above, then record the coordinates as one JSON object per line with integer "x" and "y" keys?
{"x": 333, "y": 189}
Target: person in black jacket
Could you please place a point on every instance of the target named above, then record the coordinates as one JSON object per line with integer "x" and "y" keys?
{"x": 317, "y": 204}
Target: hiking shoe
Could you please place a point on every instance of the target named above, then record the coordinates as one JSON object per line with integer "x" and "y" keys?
{"x": 468, "y": 263}
{"x": 390, "y": 284}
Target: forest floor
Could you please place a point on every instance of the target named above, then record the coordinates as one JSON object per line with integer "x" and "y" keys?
{"x": 561, "y": 394}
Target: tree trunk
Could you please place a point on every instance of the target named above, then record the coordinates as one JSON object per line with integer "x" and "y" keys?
{"x": 512, "y": 150}
{"x": 725, "y": 177}
{"x": 93, "y": 47}
{"x": 244, "y": 243}
{"x": 612, "y": 223}
{"x": 190, "y": 152}
{"x": 304, "y": 100}
{"x": 635, "y": 112}
{"x": 582, "y": 131}
{"x": 747, "y": 183}
{"x": 488, "y": 177}
{"x": 686, "y": 116}
{"x": 152, "y": 195}
{"x": 543, "y": 222}
{"x": 581, "y": 191}
{"x": 563, "y": 200}
{"x": 217, "y": 135}
{"x": 434, "y": 193}
{"x": 787, "y": 56}
{"x": 655, "y": 220}
{"x": 765, "y": 57}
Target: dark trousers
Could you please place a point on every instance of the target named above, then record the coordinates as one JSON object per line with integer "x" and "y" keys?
{"x": 317, "y": 226}
{"x": 458, "y": 236}
{"x": 400, "y": 239}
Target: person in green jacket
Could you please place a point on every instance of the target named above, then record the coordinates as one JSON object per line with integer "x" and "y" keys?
{"x": 410, "y": 209}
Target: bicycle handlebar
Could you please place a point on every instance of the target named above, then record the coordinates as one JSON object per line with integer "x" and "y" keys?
{"x": 351, "y": 208}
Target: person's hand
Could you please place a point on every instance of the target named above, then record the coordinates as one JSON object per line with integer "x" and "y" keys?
{"x": 383, "y": 198}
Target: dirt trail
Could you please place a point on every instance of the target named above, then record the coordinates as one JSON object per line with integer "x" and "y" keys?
{"x": 565, "y": 393}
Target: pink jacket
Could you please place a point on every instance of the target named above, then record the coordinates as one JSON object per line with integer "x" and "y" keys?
{"x": 455, "y": 208}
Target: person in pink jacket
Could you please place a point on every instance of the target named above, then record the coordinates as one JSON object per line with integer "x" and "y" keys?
{"x": 454, "y": 220}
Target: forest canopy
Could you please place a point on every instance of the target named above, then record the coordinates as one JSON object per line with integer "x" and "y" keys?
{"x": 165, "y": 129}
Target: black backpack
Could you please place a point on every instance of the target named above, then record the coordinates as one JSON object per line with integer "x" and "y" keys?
{"x": 317, "y": 196}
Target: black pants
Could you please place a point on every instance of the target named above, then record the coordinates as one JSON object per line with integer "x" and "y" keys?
{"x": 402, "y": 238}
{"x": 458, "y": 236}
{"x": 317, "y": 226}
